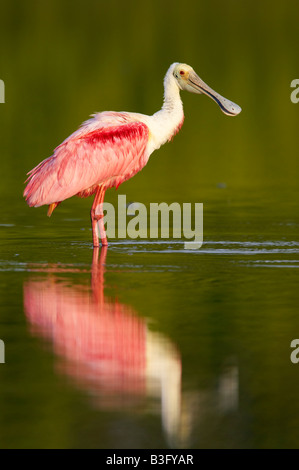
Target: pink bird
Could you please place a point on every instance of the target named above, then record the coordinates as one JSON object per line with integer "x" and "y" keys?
{"x": 111, "y": 147}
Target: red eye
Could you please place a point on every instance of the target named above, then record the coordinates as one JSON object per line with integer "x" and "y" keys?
{"x": 182, "y": 72}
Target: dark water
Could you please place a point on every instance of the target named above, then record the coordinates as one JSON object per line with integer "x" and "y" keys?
{"x": 149, "y": 345}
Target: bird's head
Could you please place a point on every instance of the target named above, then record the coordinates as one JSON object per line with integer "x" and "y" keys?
{"x": 187, "y": 79}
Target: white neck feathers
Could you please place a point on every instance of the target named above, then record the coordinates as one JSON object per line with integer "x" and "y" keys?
{"x": 166, "y": 123}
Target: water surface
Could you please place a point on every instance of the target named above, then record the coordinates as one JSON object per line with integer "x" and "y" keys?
{"x": 147, "y": 344}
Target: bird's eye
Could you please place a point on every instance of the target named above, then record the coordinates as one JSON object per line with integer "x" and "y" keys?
{"x": 182, "y": 72}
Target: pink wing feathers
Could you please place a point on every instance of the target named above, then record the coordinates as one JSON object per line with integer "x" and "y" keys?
{"x": 108, "y": 149}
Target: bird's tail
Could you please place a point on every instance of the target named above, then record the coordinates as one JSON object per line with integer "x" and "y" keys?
{"x": 39, "y": 183}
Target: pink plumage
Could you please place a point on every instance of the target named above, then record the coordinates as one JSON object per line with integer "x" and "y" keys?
{"x": 106, "y": 156}
{"x": 106, "y": 151}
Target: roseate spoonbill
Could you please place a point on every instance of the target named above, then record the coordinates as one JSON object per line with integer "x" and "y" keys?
{"x": 111, "y": 147}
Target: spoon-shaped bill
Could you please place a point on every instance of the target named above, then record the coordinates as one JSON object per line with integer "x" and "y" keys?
{"x": 197, "y": 85}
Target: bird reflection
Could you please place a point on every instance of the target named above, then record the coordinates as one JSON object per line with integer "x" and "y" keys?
{"x": 104, "y": 345}
{"x": 108, "y": 350}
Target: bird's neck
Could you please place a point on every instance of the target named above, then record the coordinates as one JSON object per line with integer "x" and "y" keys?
{"x": 172, "y": 101}
{"x": 168, "y": 121}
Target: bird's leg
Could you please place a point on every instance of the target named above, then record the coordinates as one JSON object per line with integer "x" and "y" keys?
{"x": 96, "y": 215}
{"x": 94, "y": 226}
{"x": 100, "y": 217}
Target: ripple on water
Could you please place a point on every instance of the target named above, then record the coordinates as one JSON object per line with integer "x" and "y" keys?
{"x": 210, "y": 247}
{"x": 275, "y": 253}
